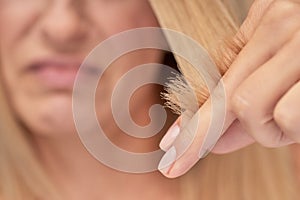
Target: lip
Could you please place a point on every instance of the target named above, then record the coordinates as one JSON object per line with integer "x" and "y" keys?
{"x": 55, "y": 73}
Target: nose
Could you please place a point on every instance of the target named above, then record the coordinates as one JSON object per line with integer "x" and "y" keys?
{"x": 64, "y": 27}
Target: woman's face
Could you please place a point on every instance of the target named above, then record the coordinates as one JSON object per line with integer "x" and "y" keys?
{"x": 42, "y": 44}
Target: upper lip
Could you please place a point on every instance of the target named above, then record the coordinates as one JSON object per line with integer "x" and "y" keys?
{"x": 68, "y": 63}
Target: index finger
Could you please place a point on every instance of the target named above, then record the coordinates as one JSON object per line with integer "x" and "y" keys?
{"x": 196, "y": 135}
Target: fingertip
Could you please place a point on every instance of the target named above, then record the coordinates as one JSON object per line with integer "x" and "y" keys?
{"x": 170, "y": 137}
{"x": 167, "y": 160}
{"x": 183, "y": 165}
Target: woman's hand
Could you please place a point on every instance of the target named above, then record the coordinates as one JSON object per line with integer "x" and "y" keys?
{"x": 262, "y": 90}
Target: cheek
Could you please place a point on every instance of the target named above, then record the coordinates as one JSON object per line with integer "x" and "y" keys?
{"x": 16, "y": 19}
{"x": 41, "y": 113}
{"x": 123, "y": 16}
{"x": 49, "y": 116}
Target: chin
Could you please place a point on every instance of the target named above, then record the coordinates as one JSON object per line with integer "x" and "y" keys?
{"x": 51, "y": 116}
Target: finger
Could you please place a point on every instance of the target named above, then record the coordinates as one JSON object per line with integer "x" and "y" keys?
{"x": 170, "y": 136}
{"x": 270, "y": 36}
{"x": 278, "y": 25}
{"x": 287, "y": 113}
{"x": 263, "y": 53}
{"x": 233, "y": 139}
{"x": 240, "y": 140}
{"x": 256, "y": 98}
{"x": 254, "y": 16}
{"x": 187, "y": 143}
{"x": 185, "y": 151}
{"x": 246, "y": 31}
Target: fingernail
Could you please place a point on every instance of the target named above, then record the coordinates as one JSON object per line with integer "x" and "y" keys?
{"x": 167, "y": 160}
{"x": 169, "y": 138}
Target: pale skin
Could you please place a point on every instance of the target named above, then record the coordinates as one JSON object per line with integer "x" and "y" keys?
{"x": 262, "y": 87}
{"x": 63, "y": 28}
{"x": 68, "y": 30}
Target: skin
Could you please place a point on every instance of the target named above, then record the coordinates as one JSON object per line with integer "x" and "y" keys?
{"x": 52, "y": 29}
{"x": 262, "y": 87}
{"x": 70, "y": 29}
{"x": 62, "y": 27}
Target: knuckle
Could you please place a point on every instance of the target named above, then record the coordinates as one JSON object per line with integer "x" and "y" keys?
{"x": 285, "y": 118}
{"x": 240, "y": 105}
{"x": 281, "y": 11}
{"x": 273, "y": 140}
{"x": 284, "y": 7}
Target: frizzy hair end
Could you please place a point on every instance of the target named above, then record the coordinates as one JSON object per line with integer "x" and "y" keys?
{"x": 210, "y": 24}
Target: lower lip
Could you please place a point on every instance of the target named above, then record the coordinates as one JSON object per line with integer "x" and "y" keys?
{"x": 57, "y": 77}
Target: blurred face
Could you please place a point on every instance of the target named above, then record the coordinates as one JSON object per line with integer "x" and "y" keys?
{"x": 43, "y": 43}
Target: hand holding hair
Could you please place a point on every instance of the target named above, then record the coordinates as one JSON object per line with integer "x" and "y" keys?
{"x": 262, "y": 89}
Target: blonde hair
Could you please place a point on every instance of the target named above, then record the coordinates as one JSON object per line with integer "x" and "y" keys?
{"x": 252, "y": 173}
{"x": 22, "y": 176}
